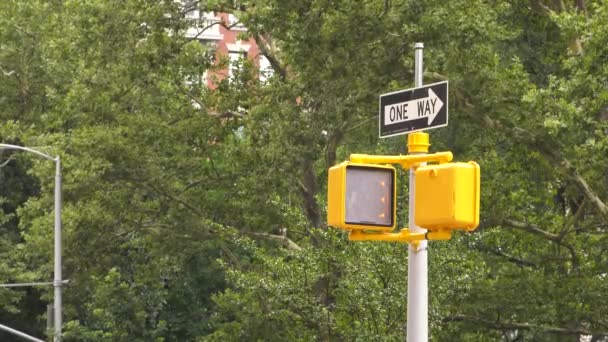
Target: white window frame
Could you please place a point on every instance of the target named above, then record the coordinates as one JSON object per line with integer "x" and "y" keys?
{"x": 265, "y": 69}
{"x": 232, "y": 20}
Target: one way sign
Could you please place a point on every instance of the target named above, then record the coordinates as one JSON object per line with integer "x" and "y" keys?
{"x": 415, "y": 109}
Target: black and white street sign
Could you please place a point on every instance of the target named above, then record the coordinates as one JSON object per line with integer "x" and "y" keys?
{"x": 415, "y": 109}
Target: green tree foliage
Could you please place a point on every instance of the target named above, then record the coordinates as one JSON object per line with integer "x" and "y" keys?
{"x": 198, "y": 214}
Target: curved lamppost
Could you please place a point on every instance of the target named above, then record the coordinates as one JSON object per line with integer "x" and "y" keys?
{"x": 57, "y": 281}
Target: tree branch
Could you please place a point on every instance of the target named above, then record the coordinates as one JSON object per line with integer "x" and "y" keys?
{"x": 309, "y": 189}
{"x": 582, "y": 184}
{"x": 545, "y": 234}
{"x": 539, "y": 7}
{"x": 530, "y": 228}
{"x": 8, "y": 160}
{"x": 283, "y": 239}
{"x": 7, "y": 73}
{"x": 500, "y": 253}
{"x": 176, "y": 199}
{"x": 572, "y": 220}
{"x": 221, "y": 23}
{"x": 581, "y": 7}
{"x": 265, "y": 46}
{"x": 195, "y": 99}
{"x": 332, "y": 145}
{"x": 547, "y": 151}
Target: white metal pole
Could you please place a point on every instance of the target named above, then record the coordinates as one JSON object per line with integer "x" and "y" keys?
{"x": 57, "y": 281}
{"x": 417, "y": 271}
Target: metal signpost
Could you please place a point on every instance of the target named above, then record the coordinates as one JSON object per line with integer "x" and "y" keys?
{"x": 417, "y": 258}
{"x": 410, "y": 111}
{"x": 443, "y": 196}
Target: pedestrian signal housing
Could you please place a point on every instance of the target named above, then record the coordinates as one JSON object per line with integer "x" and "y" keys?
{"x": 361, "y": 196}
{"x": 447, "y": 196}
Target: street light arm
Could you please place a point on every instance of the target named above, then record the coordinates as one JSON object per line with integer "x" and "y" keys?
{"x": 19, "y": 333}
{"x": 57, "y": 279}
{"x": 27, "y": 149}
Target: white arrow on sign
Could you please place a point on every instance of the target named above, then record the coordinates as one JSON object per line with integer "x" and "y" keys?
{"x": 415, "y": 109}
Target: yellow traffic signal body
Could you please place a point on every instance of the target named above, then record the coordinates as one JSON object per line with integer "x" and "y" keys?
{"x": 447, "y": 196}
{"x": 361, "y": 196}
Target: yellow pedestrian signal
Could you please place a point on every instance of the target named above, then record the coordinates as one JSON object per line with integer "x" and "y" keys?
{"x": 447, "y": 196}
{"x": 361, "y": 196}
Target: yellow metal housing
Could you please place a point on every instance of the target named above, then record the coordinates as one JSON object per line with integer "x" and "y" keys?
{"x": 447, "y": 196}
{"x": 404, "y": 235}
{"x": 418, "y": 142}
{"x": 406, "y": 161}
{"x": 361, "y": 196}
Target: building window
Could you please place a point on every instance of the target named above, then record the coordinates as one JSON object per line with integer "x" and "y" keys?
{"x": 235, "y": 24}
{"x": 192, "y": 10}
{"x": 266, "y": 70}
{"x": 201, "y": 25}
{"x": 236, "y": 61}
